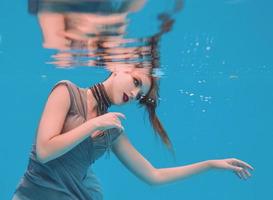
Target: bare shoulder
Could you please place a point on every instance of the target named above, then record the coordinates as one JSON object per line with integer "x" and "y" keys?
{"x": 59, "y": 93}
{"x": 58, "y": 99}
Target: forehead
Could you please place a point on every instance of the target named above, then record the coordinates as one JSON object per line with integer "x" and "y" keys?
{"x": 145, "y": 77}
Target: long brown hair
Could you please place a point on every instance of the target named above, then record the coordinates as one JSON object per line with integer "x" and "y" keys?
{"x": 150, "y": 102}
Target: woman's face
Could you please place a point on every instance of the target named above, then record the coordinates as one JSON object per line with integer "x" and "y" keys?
{"x": 128, "y": 84}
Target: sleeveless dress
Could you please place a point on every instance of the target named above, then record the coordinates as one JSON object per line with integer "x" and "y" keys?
{"x": 70, "y": 176}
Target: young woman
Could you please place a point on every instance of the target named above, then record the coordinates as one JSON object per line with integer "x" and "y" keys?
{"x": 75, "y": 129}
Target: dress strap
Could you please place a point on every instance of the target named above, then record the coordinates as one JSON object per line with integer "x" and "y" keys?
{"x": 75, "y": 96}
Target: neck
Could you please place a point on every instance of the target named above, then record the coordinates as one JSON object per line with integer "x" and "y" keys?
{"x": 93, "y": 106}
{"x": 108, "y": 88}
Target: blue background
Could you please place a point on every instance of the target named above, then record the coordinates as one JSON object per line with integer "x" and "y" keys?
{"x": 216, "y": 98}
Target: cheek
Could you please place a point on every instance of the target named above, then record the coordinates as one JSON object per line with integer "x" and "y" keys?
{"x": 125, "y": 83}
{"x": 118, "y": 89}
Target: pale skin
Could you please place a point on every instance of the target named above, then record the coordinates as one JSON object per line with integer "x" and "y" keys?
{"x": 51, "y": 143}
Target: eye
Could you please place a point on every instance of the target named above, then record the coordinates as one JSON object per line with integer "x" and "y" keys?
{"x": 136, "y": 82}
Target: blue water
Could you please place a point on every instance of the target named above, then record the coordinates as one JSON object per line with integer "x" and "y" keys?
{"x": 216, "y": 102}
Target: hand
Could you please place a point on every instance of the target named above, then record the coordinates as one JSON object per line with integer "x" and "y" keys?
{"x": 108, "y": 121}
{"x": 240, "y": 168}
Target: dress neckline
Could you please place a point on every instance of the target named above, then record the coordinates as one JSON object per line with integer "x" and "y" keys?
{"x": 86, "y": 112}
{"x": 102, "y": 136}
{"x": 86, "y": 90}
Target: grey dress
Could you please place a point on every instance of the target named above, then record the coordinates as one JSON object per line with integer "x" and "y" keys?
{"x": 69, "y": 176}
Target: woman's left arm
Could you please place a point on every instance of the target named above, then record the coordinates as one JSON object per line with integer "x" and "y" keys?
{"x": 143, "y": 169}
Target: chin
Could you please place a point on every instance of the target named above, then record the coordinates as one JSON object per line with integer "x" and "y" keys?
{"x": 123, "y": 103}
{"x": 120, "y": 102}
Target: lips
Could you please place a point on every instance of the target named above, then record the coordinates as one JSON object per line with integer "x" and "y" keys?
{"x": 125, "y": 97}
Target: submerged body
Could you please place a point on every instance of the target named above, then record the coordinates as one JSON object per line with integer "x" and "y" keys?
{"x": 69, "y": 176}
{"x": 60, "y": 168}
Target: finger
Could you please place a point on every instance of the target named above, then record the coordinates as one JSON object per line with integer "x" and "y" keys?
{"x": 242, "y": 174}
{"x": 235, "y": 168}
{"x": 119, "y": 126}
{"x": 120, "y": 130}
{"x": 120, "y": 115}
{"x": 117, "y": 121}
{"x": 95, "y": 133}
{"x": 238, "y": 174}
{"x": 247, "y": 173}
{"x": 244, "y": 164}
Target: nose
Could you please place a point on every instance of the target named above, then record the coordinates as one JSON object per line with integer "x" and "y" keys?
{"x": 133, "y": 94}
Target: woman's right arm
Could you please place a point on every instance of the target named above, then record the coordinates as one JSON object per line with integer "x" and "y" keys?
{"x": 50, "y": 142}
